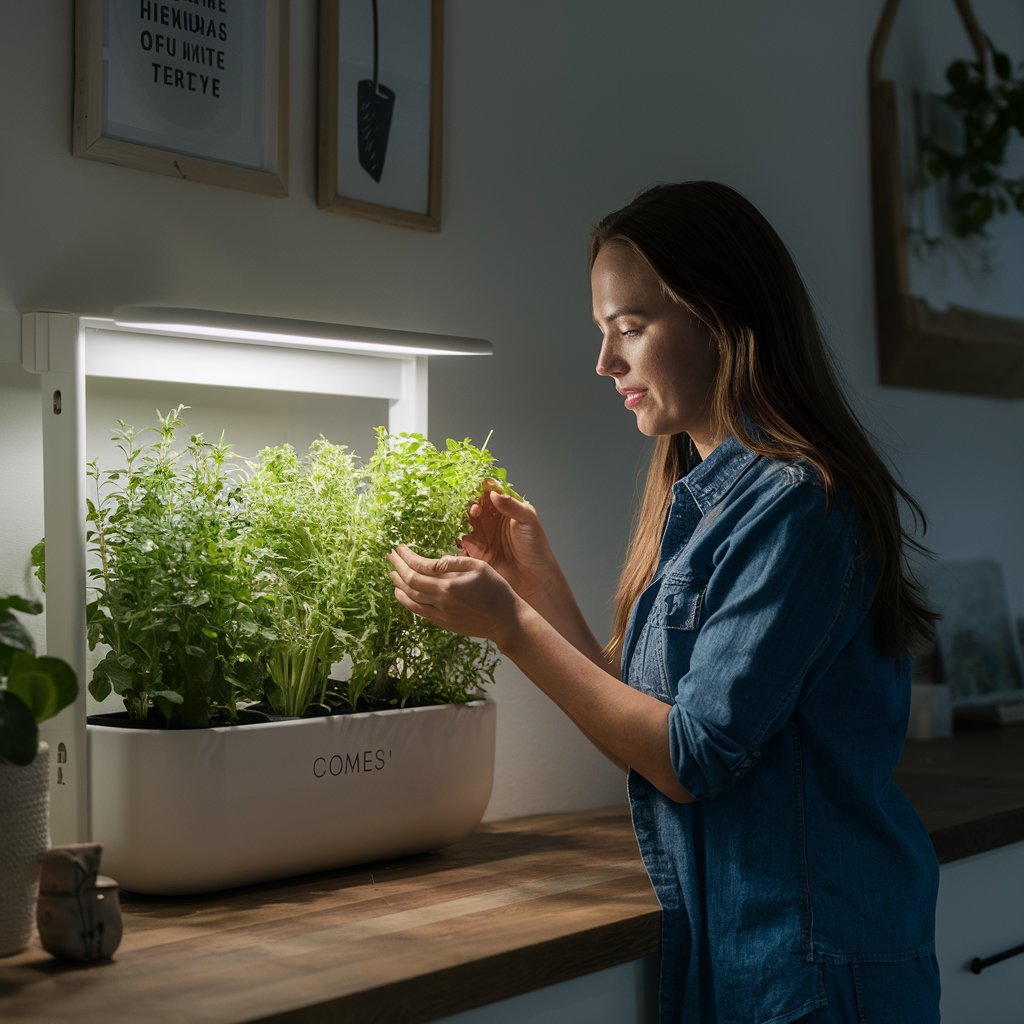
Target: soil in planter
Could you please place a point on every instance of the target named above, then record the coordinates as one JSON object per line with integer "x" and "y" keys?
{"x": 121, "y": 720}
{"x": 254, "y": 714}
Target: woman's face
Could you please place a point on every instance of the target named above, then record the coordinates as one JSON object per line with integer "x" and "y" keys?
{"x": 662, "y": 360}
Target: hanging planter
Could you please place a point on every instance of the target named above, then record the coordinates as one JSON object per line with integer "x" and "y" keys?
{"x": 954, "y": 349}
{"x": 989, "y": 110}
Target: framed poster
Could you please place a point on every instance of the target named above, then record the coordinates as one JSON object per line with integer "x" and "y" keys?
{"x": 192, "y": 90}
{"x": 381, "y": 80}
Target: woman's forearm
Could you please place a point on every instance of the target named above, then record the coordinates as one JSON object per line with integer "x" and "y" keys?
{"x": 557, "y": 604}
{"x": 628, "y": 726}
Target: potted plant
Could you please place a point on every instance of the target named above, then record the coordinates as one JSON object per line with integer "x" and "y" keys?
{"x": 177, "y": 601}
{"x": 279, "y": 573}
{"x": 416, "y": 494}
{"x": 306, "y": 525}
{"x": 32, "y": 689}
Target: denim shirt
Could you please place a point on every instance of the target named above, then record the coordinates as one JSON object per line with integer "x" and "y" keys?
{"x": 786, "y": 723}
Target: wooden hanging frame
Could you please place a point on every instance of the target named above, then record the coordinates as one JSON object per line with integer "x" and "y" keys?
{"x": 960, "y": 349}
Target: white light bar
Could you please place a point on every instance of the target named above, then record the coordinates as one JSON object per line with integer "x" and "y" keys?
{"x": 272, "y": 330}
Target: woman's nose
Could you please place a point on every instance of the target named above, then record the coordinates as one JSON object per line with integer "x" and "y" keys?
{"x": 609, "y": 363}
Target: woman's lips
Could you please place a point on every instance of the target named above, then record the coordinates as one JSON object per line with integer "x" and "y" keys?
{"x": 633, "y": 396}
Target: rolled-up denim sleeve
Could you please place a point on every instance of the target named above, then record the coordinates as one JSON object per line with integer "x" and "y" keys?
{"x": 770, "y": 612}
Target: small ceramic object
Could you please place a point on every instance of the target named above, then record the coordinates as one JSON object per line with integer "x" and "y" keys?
{"x": 79, "y": 913}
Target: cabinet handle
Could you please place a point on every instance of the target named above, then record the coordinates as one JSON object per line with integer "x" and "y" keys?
{"x": 978, "y": 964}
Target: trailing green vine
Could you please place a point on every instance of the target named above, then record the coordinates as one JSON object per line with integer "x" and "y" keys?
{"x": 989, "y": 113}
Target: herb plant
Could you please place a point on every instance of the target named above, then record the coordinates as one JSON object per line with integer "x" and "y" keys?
{"x": 306, "y": 527}
{"x": 418, "y": 494}
{"x": 219, "y": 586}
{"x": 177, "y": 598}
{"x": 32, "y": 689}
{"x": 989, "y": 114}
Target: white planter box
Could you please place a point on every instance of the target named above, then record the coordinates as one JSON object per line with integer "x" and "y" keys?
{"x": 189, "y": 811}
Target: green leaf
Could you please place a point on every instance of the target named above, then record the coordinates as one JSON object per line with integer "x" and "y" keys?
{"x": 14, "y": 638}
{"x": 37, "y": 557}
{"x": 957, "y": 74}
{"x": 122, "y": 680}
{"x": 99, "y": 686}
{"x": 169, "y": 696}
{"x": 65, "y": 683}
{"x": 19, "y": 734}
{"x": 31, "y": 683}
{"x": 20, "y": 604}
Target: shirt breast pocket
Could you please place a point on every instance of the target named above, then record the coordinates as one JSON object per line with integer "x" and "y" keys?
{"x": 676, "y": 623}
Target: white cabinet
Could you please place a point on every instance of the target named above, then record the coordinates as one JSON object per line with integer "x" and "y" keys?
{"x": 627, "y": 994}
{"x": 981, "y": 914}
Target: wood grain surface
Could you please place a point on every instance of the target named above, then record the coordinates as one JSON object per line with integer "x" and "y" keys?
{"x": 520, "y": 905}
{"x": 969, "y": 790}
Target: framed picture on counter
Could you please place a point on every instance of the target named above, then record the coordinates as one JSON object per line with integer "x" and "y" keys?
{"x": 192, "y": 90}
{"x": 381, "y": 86}
{"x": 978, "y": 647}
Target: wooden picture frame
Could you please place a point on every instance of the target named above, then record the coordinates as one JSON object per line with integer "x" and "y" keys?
{"x": 381, "y": 104}
{"x": 957, "y": 350}
{"x": 193, "y": 92}
{"x": 976, "y": 636}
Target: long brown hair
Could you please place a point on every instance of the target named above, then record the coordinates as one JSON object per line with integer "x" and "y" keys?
{"x": 717, "y": 255}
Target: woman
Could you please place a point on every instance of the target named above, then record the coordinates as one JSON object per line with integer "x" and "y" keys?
{"x": 762, "y": 623}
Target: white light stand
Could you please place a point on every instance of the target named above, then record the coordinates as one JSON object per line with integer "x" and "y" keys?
{"x": 193, "y": 347}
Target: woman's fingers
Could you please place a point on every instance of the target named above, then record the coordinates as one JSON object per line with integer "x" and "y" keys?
{"x": 425, "y": 580}
{"x": 413, "y": 588}
{"x": 410, "y": 602}
{"x": 494, "y": 497}
{"x": 512, "y": 508}
{"x": 463, "y": 594}
{"x": 404, "y": 556}
{"x": 488, "y": 517}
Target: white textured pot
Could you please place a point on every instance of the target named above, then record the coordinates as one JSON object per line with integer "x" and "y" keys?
{"x": 24, "y": 838}
{"x": 190, "y": 811}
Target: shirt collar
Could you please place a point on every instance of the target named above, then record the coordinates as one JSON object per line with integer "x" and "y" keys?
{"x": 710, "y": 479}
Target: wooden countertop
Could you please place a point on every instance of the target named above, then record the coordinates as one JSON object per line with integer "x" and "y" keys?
{"x": 521, "y": 904}
{"x": 969, "y": 790}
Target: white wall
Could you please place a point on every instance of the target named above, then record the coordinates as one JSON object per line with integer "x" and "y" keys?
{"x": 555, "y": 113}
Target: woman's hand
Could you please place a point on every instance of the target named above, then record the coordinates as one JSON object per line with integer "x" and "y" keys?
{"x": 460, "y": 593}
{"x": 507, "y": 535}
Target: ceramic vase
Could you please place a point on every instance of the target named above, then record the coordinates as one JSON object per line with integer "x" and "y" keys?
{"x": 79, "y": 913}
{"x": 24, "y": 838}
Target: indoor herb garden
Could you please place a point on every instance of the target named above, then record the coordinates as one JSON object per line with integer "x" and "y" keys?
{"x": 222, "y": 585}
{"x": 224, "y": 592}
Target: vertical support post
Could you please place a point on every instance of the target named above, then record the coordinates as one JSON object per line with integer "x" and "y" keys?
{"x": 409, "y": 413}
{"x": 52, "y": 346}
